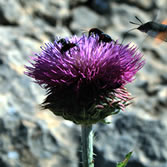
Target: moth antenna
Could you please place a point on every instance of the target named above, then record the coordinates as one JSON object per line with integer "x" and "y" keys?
{"x": 130, "y": 30}
{"x": 127, "y": 33}
{"x": 138, "y": 19}
{"x": 134, "y": 23}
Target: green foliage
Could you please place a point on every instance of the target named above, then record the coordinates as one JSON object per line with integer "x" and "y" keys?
{"x": 125, "y": 161}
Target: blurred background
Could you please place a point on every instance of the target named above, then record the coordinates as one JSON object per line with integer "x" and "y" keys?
{"x": 30, "y": 137}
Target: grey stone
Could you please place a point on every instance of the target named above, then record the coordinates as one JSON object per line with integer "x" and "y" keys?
{"x": 81, "y": 22}
{"x": 100, "y": 6}
{"x": 129, "y": 133}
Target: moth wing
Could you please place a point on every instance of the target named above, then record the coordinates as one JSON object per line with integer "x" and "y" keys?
{"x": 164, "y": 21}
{"x": 162, "y": 36}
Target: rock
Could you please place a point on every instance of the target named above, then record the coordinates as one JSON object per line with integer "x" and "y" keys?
{"x": 10, "y": 13}
{"x": 160, "y": 4}
{"x": 164, "y": 78}
{"x": 100, "y": 6}
{"x": 129, "y": 132}
{"x": 14, "y": 52}
{"x": 144, "y": 5}
{"x": 35, "y": 145}
{"x": 81, "y": 22}
{"x": 162, "y": 96}
{"x": 75, "y": 3}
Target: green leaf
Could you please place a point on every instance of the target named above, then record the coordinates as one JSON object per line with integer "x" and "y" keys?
{"x": 125, "y": 161}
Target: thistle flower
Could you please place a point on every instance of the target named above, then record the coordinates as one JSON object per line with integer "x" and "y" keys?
{"x": 85, "y": 81}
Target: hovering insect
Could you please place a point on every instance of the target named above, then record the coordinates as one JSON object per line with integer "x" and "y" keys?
{"x": 153, "y": 29}
{"x": 102, "y": 36}
{"x": 66, "y": 45}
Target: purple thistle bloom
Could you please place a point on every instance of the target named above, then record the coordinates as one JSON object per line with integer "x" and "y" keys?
{"x": 85, "y": 81}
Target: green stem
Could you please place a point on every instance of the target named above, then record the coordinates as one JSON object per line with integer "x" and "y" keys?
{"x": 87, "y": 146}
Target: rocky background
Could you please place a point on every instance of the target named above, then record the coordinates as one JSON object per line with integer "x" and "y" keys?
{"x": 33, "y": 138}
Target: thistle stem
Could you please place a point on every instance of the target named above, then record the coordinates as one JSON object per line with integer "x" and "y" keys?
{"x": 87, "y": 145}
